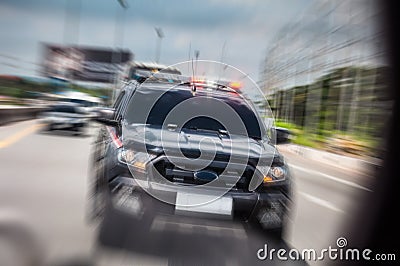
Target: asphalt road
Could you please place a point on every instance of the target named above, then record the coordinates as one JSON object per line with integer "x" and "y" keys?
{"x": 44, "y": 185}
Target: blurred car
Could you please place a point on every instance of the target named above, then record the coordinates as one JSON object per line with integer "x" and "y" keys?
{"x": 84, "y": 100}
{"x": 140, "y": 71}
{"x": 134, "y": 148}
{"x": 66, "y": 116}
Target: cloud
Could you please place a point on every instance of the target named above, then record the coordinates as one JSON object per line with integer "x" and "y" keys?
{"x": 245, "y": 26}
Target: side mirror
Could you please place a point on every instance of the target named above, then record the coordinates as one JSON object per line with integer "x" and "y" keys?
{"x": 282, "y": 135}
{"x": 105, "y": 116}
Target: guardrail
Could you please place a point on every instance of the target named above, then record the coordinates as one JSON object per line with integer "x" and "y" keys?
{"x": 9, "y": 114}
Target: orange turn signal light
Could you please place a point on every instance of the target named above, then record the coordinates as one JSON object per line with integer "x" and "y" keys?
{"x": 267, "y": 179}
{"x": 235, "y": 85}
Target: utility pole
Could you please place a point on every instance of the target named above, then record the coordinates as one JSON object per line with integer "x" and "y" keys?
{"x": 196, "y": 55}
{"x": 117, "y": 56}
{"x": 160, "y": 35}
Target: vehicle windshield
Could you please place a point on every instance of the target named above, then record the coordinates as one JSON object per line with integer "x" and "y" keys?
{"x": 149, "y": 106}
{"x": 65, "y": 109}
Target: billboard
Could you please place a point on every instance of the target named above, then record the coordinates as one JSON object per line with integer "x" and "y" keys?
{"x": 84, "y": 63}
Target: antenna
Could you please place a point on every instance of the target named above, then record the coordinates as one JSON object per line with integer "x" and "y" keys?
{"x": 193, "y": 84}
{"x": 223, "y": 51}
{"x": 190, "y": 51}
{"x": 222, "y": 59}
{"x": 196, "y": 54}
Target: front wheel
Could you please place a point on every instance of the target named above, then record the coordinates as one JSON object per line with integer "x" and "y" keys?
{"x": 97, "y": 204}
{"x": 276, "y": 233}
{"x": 78, "y": 131}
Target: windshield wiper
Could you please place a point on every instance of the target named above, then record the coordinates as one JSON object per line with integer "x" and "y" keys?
{"x": 220, "y": 131}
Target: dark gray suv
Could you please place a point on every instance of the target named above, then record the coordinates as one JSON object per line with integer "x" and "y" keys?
{"x": 177, "y": 143}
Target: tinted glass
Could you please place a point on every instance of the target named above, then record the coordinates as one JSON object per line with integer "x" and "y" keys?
{"x": 143, "y": 108}
{"x": 66, "y": 109}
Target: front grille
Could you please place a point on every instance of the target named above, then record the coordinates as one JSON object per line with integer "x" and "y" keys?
{"x": 186, "y": 176}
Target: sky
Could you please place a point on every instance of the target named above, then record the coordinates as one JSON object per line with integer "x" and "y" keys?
{"x": 233, "y": 31}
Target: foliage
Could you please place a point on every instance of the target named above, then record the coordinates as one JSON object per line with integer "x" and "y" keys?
{"x": 348, "y": 101}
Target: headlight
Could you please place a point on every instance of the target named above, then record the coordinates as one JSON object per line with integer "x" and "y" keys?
{"x": 138, "y": 160}
{"x": 272, "y": 173}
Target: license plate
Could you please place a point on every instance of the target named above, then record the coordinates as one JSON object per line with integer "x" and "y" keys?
{"x": 203, "y": 204}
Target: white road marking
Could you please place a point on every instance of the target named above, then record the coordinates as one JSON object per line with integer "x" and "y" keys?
{"x": 321, "y": 202}
{"x": 330, "y": 177}
{"x": 189, "y": 228}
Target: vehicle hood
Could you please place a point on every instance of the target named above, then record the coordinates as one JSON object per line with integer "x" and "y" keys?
{"x": 195, "y": 143}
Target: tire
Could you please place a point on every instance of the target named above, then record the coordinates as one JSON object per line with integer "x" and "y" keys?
{"x": 255, "y": 227}
{"x": 78, "y": 131}
{"x": 98, "y": 197}
{"x": 276, "y": 233}
{"x": 98, "y": 201}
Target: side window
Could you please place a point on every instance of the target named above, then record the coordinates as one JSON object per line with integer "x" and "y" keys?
{"x": 131, "y": 73}
{"x": 118, "y": 104}
{"x": 123, "y": 104}
{"x": 120, "y": 109}
{"x": 118, "y": 100}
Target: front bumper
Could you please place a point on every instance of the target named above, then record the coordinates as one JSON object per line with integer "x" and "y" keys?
{"x": 267, "y": 208}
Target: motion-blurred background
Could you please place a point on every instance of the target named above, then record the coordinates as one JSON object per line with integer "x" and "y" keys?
{"x": 322, "y": 66}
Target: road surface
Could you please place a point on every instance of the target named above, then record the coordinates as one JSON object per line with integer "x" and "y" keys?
{"x": 44, "y": 185}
